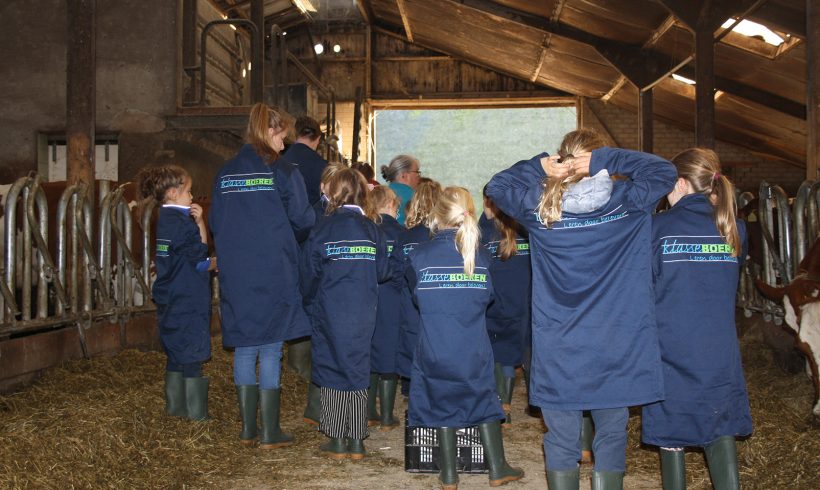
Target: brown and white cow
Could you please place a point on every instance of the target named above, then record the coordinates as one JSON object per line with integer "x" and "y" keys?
{"x": 801, "y": 302}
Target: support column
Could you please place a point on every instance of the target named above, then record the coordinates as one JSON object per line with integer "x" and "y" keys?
{"x": 645, "y": 120}
{"x": 190, "y": 61}
{"x": 813, "y": 88}
{"x": 257, "y": 58}
{"x": 81, "y": 92}
{"x": 705, "y": 86}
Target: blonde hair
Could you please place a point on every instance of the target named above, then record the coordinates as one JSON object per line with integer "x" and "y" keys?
{"x": 421, "y": 204}
{"x": 578, "y": 141}
{"x": 455, "y": 209}
{"x": 348, "y": 186}
{"x": 262, "y": 118}
{"x": 701, "y": 168}
{"x": 329, "y": 171}
{"x": 383, "y": 197}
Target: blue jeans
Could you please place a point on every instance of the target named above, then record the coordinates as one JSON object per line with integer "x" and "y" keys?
{"x": 270, "y": 363}
{"x": 191, "y": 370}
{"x": 562, "y": 442}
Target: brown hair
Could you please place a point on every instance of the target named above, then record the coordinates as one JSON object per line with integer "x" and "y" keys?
{"x": 364, "y": 169}
{"x": 154, "y": 182}
{"x": 701, "y": 168}
{"x": 382, "y": 197}
{"x": 262, "y": 118}
{"x": 455, "y": 209}
{"x": 307, "y": 127}
{"x": 422, "y": 204}
{"x": 578, "y": 141}
{"x": 347, "y": 186}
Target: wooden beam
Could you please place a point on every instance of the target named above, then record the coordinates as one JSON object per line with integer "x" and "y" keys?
{"x": 705, "y": 87}
{"x": 81, "y": 92}
{"x": 615, "y": 88}
{"x": 813, "y": 88}
{"x": 708, "y": 14}
{"x": 781, "y": 18}
{"x": 645, "y": 121}
{"x": 545, "y": 44}
{"x": 556, "y": 12}
{"x": 685, "y": 10}
{"x": 369, "y": 39}
{"x": 366, "y": 10}
{"x": 404, "y": 20}
{"x": 258, "y": 58}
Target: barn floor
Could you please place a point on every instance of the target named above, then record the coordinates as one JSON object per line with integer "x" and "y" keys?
{"x": 99, "y": 423}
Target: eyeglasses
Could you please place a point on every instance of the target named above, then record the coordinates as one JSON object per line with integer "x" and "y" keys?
{"x": 414, "y": 172}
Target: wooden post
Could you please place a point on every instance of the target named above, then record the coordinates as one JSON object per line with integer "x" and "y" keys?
{"x": 645, "y": 120}
{"x": 813, "y": 88}
{"x": 705, "y": 86}
{"x": 189, "y": 57}
{"x": 81, "y": 92}
{"x": 368, "y": 63}
{"x": 257, "y": 58}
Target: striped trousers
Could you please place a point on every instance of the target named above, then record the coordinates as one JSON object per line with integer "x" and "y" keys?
{"x": 344, "y": 413}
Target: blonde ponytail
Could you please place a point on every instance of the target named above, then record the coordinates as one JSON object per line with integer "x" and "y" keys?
{"x": 575, "y": 142}
{"x": 455, "y": 209}
{"x": 701, "y": 168}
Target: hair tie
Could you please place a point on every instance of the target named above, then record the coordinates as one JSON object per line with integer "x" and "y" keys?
{"x": 716, "y": 176}
{"x": 466, "y": 213}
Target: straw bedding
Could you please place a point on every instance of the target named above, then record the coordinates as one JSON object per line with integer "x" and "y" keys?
{"x": 100, "y": 423}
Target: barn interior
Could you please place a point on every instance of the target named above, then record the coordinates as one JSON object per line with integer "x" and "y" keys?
{"x": 94, "y": 90}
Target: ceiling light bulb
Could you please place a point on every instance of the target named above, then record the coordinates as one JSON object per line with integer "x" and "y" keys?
{"x": 337, "y": 48}
{"x": 319, "y": 48}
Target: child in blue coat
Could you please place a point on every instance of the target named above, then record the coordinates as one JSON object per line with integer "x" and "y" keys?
{"x": 508, "y": 317}
{"x": 258, "y": 213}
{"x": 698, "y": 248}
{"x": 182, "y": 290}
{"x": 383, "y": 375}
{"x": 418, "y": 231}
{"x": 343, "y": 261}
{"x": 595, "y": 342}
{"x": 452, "y": 375}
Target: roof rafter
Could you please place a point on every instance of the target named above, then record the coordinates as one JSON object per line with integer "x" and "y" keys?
{"x": 405, "y": 20}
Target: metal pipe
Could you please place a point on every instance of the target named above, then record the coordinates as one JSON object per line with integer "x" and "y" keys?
{"x": 814, "y": 212}
{"x": 90, "y": 260}
{"x": 147, "y": 213}
{"x": 65, "y": 206}
{"x": 121, "y": 240}
{"x": 765, "y": 218}
{"x": 800, "y": 219}
{"x": 10, "y": 236}
{"x": 105, "y": 239}
{"x": 46, "y": 273}
{"x": 256, "y": 45}
{"x": 785, "y": 229}
{"x": 26, "y": 258}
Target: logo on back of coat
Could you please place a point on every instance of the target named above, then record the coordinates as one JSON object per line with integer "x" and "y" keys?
{"x": 247, "y": 182}
{"x": 694, "y": 249}
{"x": 351, "y": 250}
{"x": 163, "y": 247}
{"x": 452, "y": 278}
{"x": 566, "y": 223}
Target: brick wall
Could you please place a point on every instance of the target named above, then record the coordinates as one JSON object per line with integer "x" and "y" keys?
{"x": 744, "y": 168}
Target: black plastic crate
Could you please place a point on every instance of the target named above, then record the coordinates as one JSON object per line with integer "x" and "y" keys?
{"x": 421, "y": 452}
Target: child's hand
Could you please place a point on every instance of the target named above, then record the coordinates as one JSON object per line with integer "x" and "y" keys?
{"x": 196, "y": 213}
{"x": 554, "y": 169}
{"x": 212, "y": 267}
{"x": 580, "y": 164}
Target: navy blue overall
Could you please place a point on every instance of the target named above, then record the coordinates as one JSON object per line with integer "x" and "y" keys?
{"x": 309, "y": 164}
{"x": 696, "y": 282}
{"x": 452, "y": 383}
{"x": 388, "y": 314}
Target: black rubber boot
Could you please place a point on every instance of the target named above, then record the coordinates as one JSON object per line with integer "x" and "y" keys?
{"x": 372, "y": 414}
{"x": 196, "y": 398}
{"x": 272, "y": 436}
{"x": 673, "y": 470}
{"x": 506, "y": 402}
{"x": 721, "y": 457}
{"x": 607, "y": 480}
{"x": 387, "y": 398}
{"x": 355, "y": 448}
{"x": 447, "y": 458}
{"x": 248, "y": 396}
{"x": 335, "y": 448}
{"x": 314, "y": 405}
{"x": 587, "y": 433}
{"x": 500, "y": 471}
{"x": 563, "y": 480}
{"x": 298, "y": 357}
{"x": 175, "y": 394}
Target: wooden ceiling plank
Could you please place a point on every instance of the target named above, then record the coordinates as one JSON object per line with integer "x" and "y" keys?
{"x": 782, "y": 19}
{"x": 405, "y": 20}
{"x": 366, "y": 10}
{"x": 545, "y": 43}
{"x": 556, "y": 13}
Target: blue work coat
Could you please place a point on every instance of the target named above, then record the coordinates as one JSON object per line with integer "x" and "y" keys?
{"x": 181, "y": 292}
{"x": 343, "y": 261}
{"x": 257, "y": 214}
{"x": 595, "y": 339}
{"x": 309, "y": 164}
{"x": 696, "y": 282}
{"x": 452, "y": 382}
{"x": 508, "y": 317}
{"x": 388, "y": 314}
{"x": 407, "y": 241}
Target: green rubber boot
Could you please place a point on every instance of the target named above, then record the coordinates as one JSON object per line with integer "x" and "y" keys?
{"x": 447, "y": 458}
{"x": 607, "y": 480}
{"x": 500, "y": 471}
{"x": 355, "y": 448}
{"x": 509, "y": 385}
{"x": 673, "y": 470}
{"x": 298, "y": 358}
{"x": 335, "y": 448}
{"x": 587, "y": 433}
{"x": 563, "y": 480}
{"x": 196, "y": 398}
{"x": 501, "y": 389}
{"x": 387, "y": 398}
{"x": 272, "y": 436}
{"x": 372, "y": 414}
{"x": 721, "y": 457}
{"x": 175, "y": 394}
{"x": 248, "y": 396}
{"x": 314, "y": 405}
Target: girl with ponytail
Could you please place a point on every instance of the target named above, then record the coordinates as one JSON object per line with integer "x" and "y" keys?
{"x": 698, "y": 248}
{"x": 452, "y": 372}
{"x": 508, "y": 317}
{"x": 594, "y": 336}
